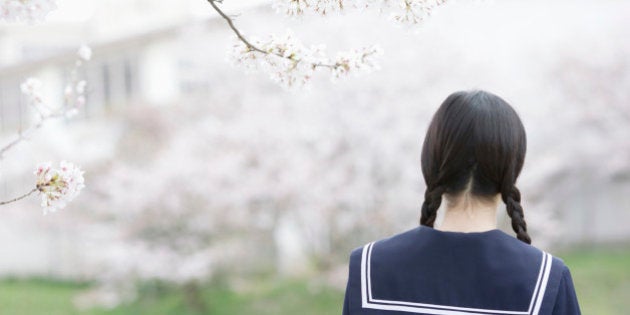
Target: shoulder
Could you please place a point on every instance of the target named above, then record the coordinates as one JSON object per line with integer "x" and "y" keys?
{"x": 560, "y": 296}
{"x": 354, "y": 297}
{"x": 557, "y": 293}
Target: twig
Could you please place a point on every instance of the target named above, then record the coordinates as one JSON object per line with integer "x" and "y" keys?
{"x": 18, "y": 198}
{"x": 236, "y": 31}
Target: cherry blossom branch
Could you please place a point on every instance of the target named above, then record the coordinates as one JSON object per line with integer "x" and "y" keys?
{"x": 291, "y": 63}
{"x": 74, "y": 98}
{"x": 56, "y": 186}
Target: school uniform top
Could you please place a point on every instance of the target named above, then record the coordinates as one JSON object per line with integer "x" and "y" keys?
{"x": 428, "y": 271}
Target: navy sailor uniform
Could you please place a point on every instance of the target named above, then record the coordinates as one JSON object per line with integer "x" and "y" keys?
{"x": 428, "y": 271}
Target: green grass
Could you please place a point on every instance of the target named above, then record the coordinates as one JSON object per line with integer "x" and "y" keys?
{"x": 602, "y": 279}
{"x": 267, "y": 296}
{"x": 601, "y": 276}
{"x": 37, "y": 296}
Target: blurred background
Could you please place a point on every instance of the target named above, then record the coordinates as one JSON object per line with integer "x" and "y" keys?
{"x": 214, "y": 191}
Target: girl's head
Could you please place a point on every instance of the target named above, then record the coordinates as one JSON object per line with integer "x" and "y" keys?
{"x": 476, "y": 144}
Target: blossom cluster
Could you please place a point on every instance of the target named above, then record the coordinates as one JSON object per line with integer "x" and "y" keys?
{"x": 26, "y": 10}
{"x": 58, "y": 186}
{"x": 414, "y": 11}
{"x": 407, "y": 12}
{"x": 299, "y": 7}
{"x": 286, "y": 59}
{"x": 290, "y": 63}
{"x": 357, "y": 61}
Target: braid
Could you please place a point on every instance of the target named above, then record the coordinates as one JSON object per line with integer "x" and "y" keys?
{"x": 432, "y": 201}
{"x": 512, "y": 199}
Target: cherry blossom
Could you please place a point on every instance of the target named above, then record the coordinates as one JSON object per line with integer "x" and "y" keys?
{"x": 408, "y": 12}
{"x": 412, "y": 12}
{"x": 85, "y": 52}
{"x": 26, "y": 10}
{"x": 291, "y": 64}
{"x": 357, "y": 61}
{"x": 299, "y": 7}
{"x": 287, "y": 60}
{"x": 58, "y": 186}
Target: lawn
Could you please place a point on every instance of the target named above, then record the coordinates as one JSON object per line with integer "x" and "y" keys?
{"x": 268, "y": 297}
{"x": 20, "y": 297}
{"x": 602, "y": 279}
{"x": 601, "y": 276}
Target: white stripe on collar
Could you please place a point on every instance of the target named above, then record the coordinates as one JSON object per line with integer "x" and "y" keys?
{"x": 367, "y": 301}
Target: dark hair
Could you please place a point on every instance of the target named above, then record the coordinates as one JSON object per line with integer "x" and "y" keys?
{"x": 475, "y": 138}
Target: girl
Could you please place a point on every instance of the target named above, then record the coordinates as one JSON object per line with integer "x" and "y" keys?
{"x": 472, "y": 154}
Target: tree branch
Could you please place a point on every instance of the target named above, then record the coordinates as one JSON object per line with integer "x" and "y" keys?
{"x": 233, "y": 27}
